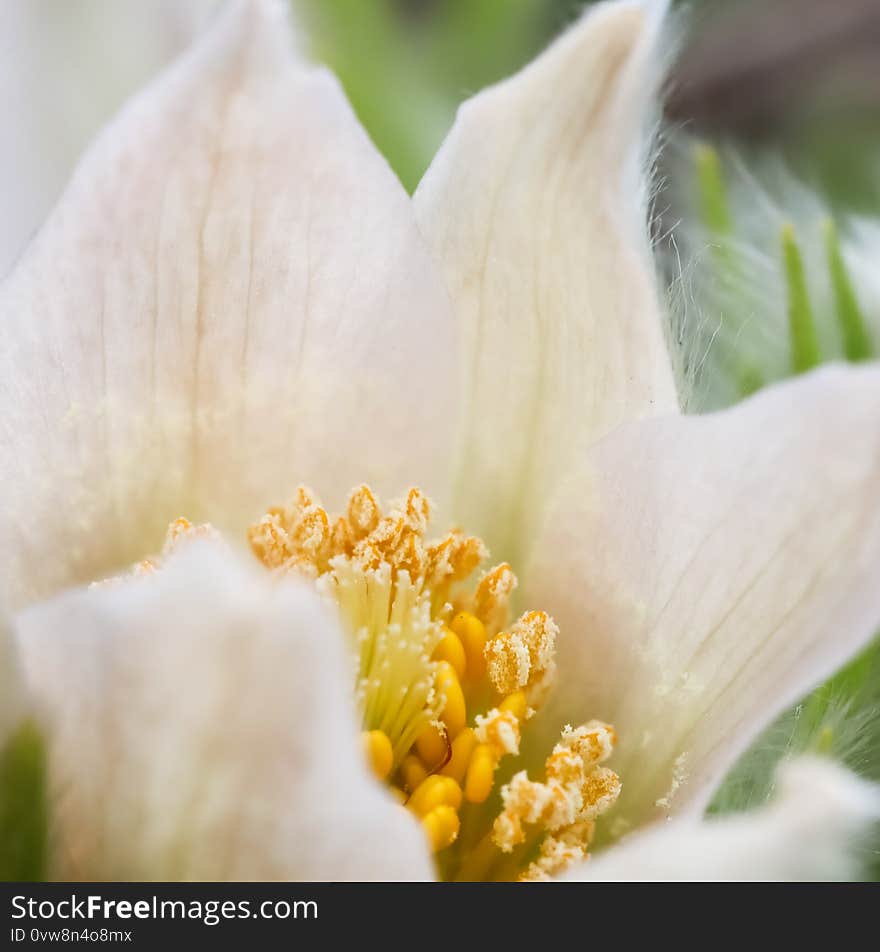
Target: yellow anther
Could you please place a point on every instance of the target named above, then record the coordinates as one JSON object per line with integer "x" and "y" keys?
{"x": 312, "y": 531}
{"x": 492, "y": 596}
{"x": 409, "y": 555}
{"x": 341, "y": 540}
{"x": 442, "y": 826}
{"x": 600, "y": 792}
{"x": 412, "y": 772}
{"x": 383, "y": 541}
{"x": 560, "y": 851}
{"x": 524, "y": 656}
{"x": 500, "y": 730}
{"x": 363, "y": 512}
{"x": 467, "y": 553}
{"x": 453, "y": 793}
{"x": 480, "y": 774}
{"x": 433, "y": 747}
{"x": 453, "y": 559}
{"x": 576, "y": 791}
{"x": 427, "y": 795}
{"x": 452, "y": 650}
{"x": 462, "y": 748}
{"x": 377, "y": 748}
{"x": 435, "y": 791}
{"x": 454, "y": 713}
{"x": 517, "y": 704}
{"x": 269, "y": 542}
{"x": 417, "y": 510}
{"x": 591, "y": 743}
{"x": 303, "y": 498}
{"x": 472, "y": 634}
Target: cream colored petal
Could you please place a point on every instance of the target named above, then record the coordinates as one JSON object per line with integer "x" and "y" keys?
{"x": 707, "y": 571}
{"x": 813, "y": 830}
{"x": 535, "y": 208}
{"x": 231, "y": 298}
{"x": 65, "y": 67}
{"x": 200, "y": 727}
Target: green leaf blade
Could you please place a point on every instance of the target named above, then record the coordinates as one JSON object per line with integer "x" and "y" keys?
{"x": 856, "y": 340}
{"x": 23, "y": 806}
{"x": 801, "y": 323}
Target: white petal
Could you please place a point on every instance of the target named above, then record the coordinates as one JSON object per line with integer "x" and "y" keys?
{"x": 809, "y": 832}
{"x": 200, "y": 726}
{"x": 707, "y": 571}
{"x": 231, "y": 298}
{"x": 64, "y": 69}
{"x": 534, "y": 207}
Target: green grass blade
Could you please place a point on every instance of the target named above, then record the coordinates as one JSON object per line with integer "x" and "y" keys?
{"x": 856, "y": 340}
{"x": 801, "y": 324}
{"x": 714, "y": 203}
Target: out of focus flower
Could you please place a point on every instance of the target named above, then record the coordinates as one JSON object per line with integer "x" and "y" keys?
{"x": 65, "y": 68}
{"x": 235, "y": 296}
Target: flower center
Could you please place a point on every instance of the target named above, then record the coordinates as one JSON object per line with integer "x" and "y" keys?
{"x": 444, "y": 682}
{"x": 446, "y": 685}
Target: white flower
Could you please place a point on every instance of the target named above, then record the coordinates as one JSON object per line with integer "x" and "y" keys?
{"x": 235, "y": 296}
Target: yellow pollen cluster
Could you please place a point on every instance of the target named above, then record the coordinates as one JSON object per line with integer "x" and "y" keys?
{"x": 445, "y": 684}
{"x": 524, "y": 657}
{"x": 562, "y": 809}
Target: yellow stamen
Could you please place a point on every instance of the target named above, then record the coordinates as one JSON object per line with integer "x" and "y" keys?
{"x": 462, "y": 748}
{"x": 444, "y": 685}
{"x": 380, "y": 756}
{"x": 480, "y": 774}
{"x": 472, "y": 633}
{"x": 524, "y": 656}
{"x": 412, "y": 772}
{"x": 560, "y": 851}
{"x": 576, "y": 791}
{"x": 435, "y": 791}
{"x": 454, "y": 711}
{"x": 493, "y": 596}
{"x": 451, "y": 649}
{"x": 441, "y": 826}
{"x": 432, "y": 746}
{"x": 500, "y": 731}
{"x": 517, "y": 704}
{"x": 363, "y": 513}
{"x": 453, "y": 559}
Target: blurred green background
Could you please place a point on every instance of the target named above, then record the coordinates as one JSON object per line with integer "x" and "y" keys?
{"x": 801, "y": 76}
